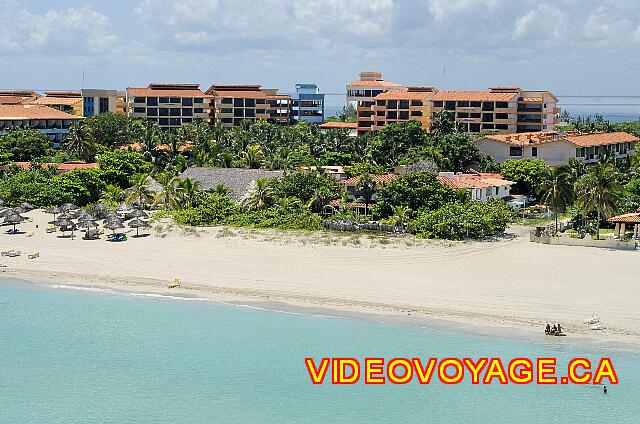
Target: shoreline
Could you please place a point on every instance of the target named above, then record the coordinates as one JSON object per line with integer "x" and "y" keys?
{"x": 506, "y": 285}
{"x": 377, "y": 314}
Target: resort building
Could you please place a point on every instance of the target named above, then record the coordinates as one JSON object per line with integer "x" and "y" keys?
{"x": 16, "y": 97}
{"x": 307, "y": 104}
{"x": 556, "y": 148}
{"x": 170, "y": 105}
{"x": 400, "y": 105}
{"x": 482, "y": 186}
{"x": 51, "y": 122}
{"x": 350, "y": 127}
{"x": 363, "y": 91}
{"x": 96, "y": 102}
{"x": 64, "y": 101}
{"x": 232, "y": 104}
{"x": 336, "y": 171}
{"x": 500, "y": 109}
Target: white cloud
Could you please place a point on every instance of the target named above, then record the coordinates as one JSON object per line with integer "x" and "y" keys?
{"x": 74, "y": 31}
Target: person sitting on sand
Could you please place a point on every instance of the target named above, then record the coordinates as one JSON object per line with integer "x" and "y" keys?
{"x": 559, "y": 329}
{"x": 547, "y": 330}
{"x": 554, "y": 330}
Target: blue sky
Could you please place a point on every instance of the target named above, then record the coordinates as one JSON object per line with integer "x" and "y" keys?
{"x": 568, "y": 46}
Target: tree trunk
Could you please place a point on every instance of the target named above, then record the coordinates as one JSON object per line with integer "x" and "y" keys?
{"x": 598, "y": 226}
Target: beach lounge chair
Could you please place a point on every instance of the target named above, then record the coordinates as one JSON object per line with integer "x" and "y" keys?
{"x": 29, "y": 233}
{"x": 51, "y": 229}
{"x": 175, "y": 283}
{"x": 6, "y": 252}
{"x": 14, "y": 253}
{"x": 34, "y": 255}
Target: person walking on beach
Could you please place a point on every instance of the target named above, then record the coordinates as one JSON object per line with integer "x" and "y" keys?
{"x": 604, "y": 390}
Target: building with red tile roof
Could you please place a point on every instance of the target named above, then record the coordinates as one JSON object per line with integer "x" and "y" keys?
{"x": 624, "y": 221}
{"x": 232, "y": 104}
{"x": 350, "y": 127}
{"x": 62, "y": 167}
{"x": 51, "y": 122}
{"x": 556, "y": 148}
{"x": 481, "y": 185}
{"x": 169, "y": 105}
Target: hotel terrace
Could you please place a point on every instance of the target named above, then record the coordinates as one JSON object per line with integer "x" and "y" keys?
{"x": 556, "y": 148}
{"x": 170, "y": 105}
{"x": 232, "y": 104}
{"x": 51, "y": 122}
{"x": 499, "y": 109}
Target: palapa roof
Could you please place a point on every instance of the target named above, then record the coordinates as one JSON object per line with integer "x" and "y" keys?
{"x": 237, "y": 180}
{"x": 627, "y": 218}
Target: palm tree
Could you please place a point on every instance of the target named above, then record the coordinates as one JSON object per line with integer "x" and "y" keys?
{"x": 252, "y": 157}
{"x": 139, "y": 192}
{"x": 78, "y": 142}
{"x": 401, "y": 215}
{"x": 260, "y": 195}
{"x": 167, "y": 194}
{"x": 187, "y": 191}
{"x": 599, "y": 190}
{"x": 366, "y": 189}
{"x": 112, "y": 195}
{"x": 557, "y": 191}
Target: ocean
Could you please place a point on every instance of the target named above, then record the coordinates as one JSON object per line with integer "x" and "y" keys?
{"x": 77, "y": 356}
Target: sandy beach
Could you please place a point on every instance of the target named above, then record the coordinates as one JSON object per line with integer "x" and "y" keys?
{"x": 505, "y": 283}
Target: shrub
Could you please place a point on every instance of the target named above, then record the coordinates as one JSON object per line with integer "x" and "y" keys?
{"x": 119, "y": 166}
{"x": 212, "y": 210}
{"x": 464, "y": 221}
{"x": 283, "y": 218}
{"x": 528, "y": 174}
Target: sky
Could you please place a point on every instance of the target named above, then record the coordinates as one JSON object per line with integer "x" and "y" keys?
{"x": 571, "y": 47}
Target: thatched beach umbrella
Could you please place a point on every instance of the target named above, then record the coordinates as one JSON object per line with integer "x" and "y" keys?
{"x": 54, "y": 210}
{"x": 69, "y": 207}
{"x": 66, "y": 224}
{"x": 114, "y": 225}
{"x": 138, "y": 213}
{"x": 19, "y": 209}
{"x": 27, "y": 206}
{"x": 14, "y": 220}
{"x": 137, "y": 224}
{"x": 85, "y": 216}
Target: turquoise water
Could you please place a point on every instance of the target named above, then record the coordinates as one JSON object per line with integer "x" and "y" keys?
{"x": 70, "y": 356}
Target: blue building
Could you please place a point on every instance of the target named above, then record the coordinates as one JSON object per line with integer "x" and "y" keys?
{"x": 307, "y": 104}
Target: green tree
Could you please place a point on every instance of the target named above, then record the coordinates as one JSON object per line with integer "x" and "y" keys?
{"x": 112, "y": 195}
{"x": 557, "y": 191}
{"x": 390, "y": 144}
{"x": 314, "y": 187}
{"x": 120, "y": 166}
{"x": 418, "y": 191}
{"x": 168, "y": 192}
{"x": 444, "y": 123}
{"x": 139, "y": 192}
{"x": 79, "y": 143}
{"x": 528, "y": 174}
{"x": 25, "y": 145}
{"x": 260, "y": 195}
{"x": 455, "y": 152}
{"x": 366, "y": 189}
{"x": 187, "y": 191}
{"x": 599, "y": 191}
{"x": 111, "y": 129}
{"x": 252, "y": 157}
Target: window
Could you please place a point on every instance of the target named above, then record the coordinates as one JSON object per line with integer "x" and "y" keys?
{"x": 227, "y": 101}
{"x": 474, "y": 128}
{"x": 502, "y": 116}
{"x": 392, "y": 104}
{"x": 226, "y": 110}
{"x": 174, "y": 122}
{"x": 138, "y": 100}
{"x": 227, "y": 121}
{"x": 174, "y": 112}
{"x": 164, "y": 111}
{"x": 198, "y": 100}
{"x": 187, "y": 120}
{"x": 404, "y": 114}
{"x": 104, "y": 105}
{"x": 164, "y": 121}
{"x": 260, "y": 101}
{"x": 450, "y": 105}
{"x": 487, "y": 106}
{"x": 187, "y": 101}
{"x": 139, "y": 110}
{"x": 250, "y": 103}
{"x": 164, "y": 100}
{"x": 392, "y": 115}
{"x": 515, "y": 151}
{"x": 497, "y": 189}
{"x": 380, "y": 102}
{"x": 250, "y": 113}
{"x": 463, "y": 104}
{"x": 152, "y": 111}
{"x": 238, "y": 102}
{"x": 416, "y": 103}
{"x": 152, "y": 101}
{"x": 437, "y": 104}
{"x": 463, "y": 114}
{"x": 404, "y": 104}
{"x": 198, "y": 110}
{"x": 175, "y": 100}
{"x": 260, "y": 111}
{"x": 238, "y": 112}
{"x": 416, "y": 113}
{"x": 187, "y": 112}
{"x": 534, "y": 152}
{"x": 476, "y": 104}
{"x": 502, "y": 105}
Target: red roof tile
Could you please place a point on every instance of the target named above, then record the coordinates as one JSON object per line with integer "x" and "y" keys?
{"x": 475, "y": 96}
{"x": 343, "y": 125}
{"x": 167, "y": 90}
{"x": 577, "y": 139}
{"x": 404, "y": 95}
{"x": 629, "y": 218}
{"x": 482, "y": 180}
{"x": 12, "y": 100}
{"x": 373, "y": 83}
{"x": 379, "y": 179}
{"x": 62, "y": 167}
{"x": 54, "y": 101}
{"x": 17, "y": 112}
